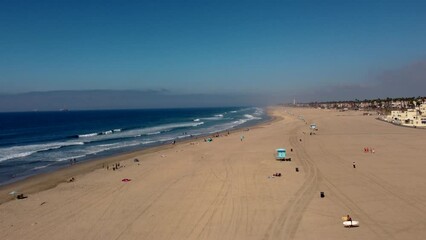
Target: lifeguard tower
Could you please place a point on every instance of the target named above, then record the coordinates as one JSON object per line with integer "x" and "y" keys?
{"x": 281, "y": 155}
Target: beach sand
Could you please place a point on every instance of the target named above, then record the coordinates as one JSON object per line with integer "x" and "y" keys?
{"x": 224, "y": 189}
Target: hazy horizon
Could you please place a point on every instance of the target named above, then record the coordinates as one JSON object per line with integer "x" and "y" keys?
{"x": 149, "y": 54}
{"x": 122, "y": 99}
{"x": 75, "y": 100}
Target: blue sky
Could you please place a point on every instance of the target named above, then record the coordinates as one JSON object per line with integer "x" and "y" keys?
{"x": 207, "y": 47}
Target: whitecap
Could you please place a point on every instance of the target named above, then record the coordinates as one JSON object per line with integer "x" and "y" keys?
{"x": 87, "y": 135}
{"x": 27, "y": 150}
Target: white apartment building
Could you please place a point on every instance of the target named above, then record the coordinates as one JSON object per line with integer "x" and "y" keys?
{"x": 412, "y": 117}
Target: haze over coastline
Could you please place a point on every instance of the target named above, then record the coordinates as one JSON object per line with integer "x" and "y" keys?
{"x": 207, "y": 53}
{"x": 125, "y": 99}
{"x": 409, "y": 81}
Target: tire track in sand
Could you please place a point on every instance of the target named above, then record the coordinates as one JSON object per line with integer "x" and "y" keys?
{"x": 285, "y": 226}
{"x": 346, "y": 201}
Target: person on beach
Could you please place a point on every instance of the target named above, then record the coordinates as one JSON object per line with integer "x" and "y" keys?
{"x": 353, "y": 164}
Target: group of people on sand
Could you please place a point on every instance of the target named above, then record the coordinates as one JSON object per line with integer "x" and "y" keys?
{"x": 215, "y": 135}
{"x": 73, "y": 161}
{"x": 368, "y": 150}
{"x": 115, "y": 166}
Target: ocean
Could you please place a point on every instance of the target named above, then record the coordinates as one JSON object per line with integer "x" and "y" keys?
{"x": 37, "y": 142}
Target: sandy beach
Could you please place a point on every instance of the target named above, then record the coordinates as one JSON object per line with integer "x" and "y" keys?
{"x": 225, "y": 189}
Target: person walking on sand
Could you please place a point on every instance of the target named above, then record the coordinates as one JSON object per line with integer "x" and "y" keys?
{"x": 353, "y": 164}
{"x": 242, "y": 137}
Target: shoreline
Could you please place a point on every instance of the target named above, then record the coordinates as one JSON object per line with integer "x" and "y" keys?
{"x": 233, "y": 187}
{"x": 44, "y": 181}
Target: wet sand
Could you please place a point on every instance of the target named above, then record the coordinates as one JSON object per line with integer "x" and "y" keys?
{"x": 225, "y": 189}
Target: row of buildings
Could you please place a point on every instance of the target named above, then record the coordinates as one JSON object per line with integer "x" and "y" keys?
{"x": 403, "y": 111}
{"x": 412, "y": 117}
{"x": 383, "y": 106}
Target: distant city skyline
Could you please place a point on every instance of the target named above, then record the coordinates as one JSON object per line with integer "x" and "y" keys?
{"x": 285, "y": 50}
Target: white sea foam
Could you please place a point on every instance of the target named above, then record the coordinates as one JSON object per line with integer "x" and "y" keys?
{"x": 236, "y": 123}
{"x": 27, "y": 150}
{"x": 258, "y": 111}
{"x": 16, "y": 155}
{"x": 156, "y": 134}
{"x": 153, "y": 133}
{"x": 41, "y": 167}
{"x": 162, "y": 128}
{"x": 212, "y": 118}
{"x": 87, "y": 135}
{"x": 115, "y": 139}
{"x": 70, "y": 157}
{"x": 183, "y": 136}
{"x": 251, "y": 117}
{"x": 142, "y": 131}
{"x": 92, "y": 150}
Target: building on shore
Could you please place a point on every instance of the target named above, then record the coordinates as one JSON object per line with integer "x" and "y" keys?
{"x": 411, "y": 117}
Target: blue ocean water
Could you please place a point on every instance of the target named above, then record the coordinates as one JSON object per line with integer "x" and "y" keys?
{"x": 36, "y": 142}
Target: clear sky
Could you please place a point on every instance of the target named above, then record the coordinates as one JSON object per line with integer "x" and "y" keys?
{"x": 208, "y": 47}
